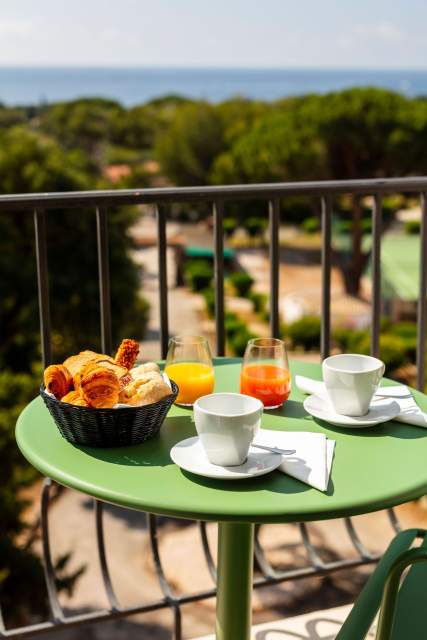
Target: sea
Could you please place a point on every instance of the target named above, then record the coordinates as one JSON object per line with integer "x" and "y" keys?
{"x": 131, "y": 86}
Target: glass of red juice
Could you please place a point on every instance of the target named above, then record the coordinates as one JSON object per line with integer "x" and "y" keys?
{"x": 265, "y": 372}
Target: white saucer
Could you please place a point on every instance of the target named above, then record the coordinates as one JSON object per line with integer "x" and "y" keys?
{"x": 381, "y": 410}
{"x": 189, "y": 455}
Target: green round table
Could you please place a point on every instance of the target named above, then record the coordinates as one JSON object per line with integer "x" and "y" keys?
{"x": 373, "y": 469}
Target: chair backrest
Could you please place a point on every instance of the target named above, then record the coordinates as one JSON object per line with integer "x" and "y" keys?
{"x": 361, "y": 617}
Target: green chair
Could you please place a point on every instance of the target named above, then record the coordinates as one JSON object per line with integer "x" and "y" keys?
{"x": 402, "y": 603}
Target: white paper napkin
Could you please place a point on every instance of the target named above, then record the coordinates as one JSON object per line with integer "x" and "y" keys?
{"x": 410, "y": 413}
{"x": 312, "y": 461}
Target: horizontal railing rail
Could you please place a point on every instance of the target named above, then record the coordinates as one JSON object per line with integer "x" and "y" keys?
{"x": 114, "y": 197}
{"x": 218, "y": 197}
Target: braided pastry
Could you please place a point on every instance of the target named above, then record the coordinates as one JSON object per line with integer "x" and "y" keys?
{"x": 127, "y": 353}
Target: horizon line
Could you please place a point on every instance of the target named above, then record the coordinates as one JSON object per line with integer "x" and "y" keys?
{"x": 207, "y": 67}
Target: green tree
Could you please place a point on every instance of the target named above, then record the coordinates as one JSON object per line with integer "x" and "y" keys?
{"x": 139, "y": 126}
{"x": 352, "y": 134}
{"x": 280, "y": 146}
{"x": 30, "y": 162}
{"x": 369, "y": 133}
{"x": 190, "y": 144}
{"x": 86, "y": 124}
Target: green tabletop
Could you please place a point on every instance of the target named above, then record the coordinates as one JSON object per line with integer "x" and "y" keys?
{"x": 373, "y": 468}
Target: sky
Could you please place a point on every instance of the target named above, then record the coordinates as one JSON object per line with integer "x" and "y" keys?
{"x": 216, "y": 33}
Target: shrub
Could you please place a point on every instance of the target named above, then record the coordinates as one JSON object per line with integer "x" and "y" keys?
{"x": 242, "y": 283}
{"x": 199, "y": 274}
{"x": 412, "y": 227}
{"x": 397, "y": 346}
{"x": 404, "y": 329}
{"x": 259, "y": 301}
{"x": 229, "y": 226}
{"x": 255, "y": 226}
{"x": 311, "y": 225}
{"x": 239, "y": 341}
{"x": 209, "y": 296}
{"x": 233, "y": 325}
{"x": 304, "y": 333}
{"x": 392, "y": 351}
{"x": 350, "y": 340}
{"x": 237, "y": 334}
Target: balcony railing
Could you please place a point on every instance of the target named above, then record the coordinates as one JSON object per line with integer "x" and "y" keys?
{"x": 217, "y": 197}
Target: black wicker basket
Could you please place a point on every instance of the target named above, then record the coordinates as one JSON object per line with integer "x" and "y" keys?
{"x": 108, "y": 427}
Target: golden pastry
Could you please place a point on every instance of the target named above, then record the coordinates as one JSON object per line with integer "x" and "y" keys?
{"x": 75, "y": 363}
{"x": 99, "y": 387}
{"x": 74, "y": 397}
{"x": 109, "y": 363}
{"x": 127, "y": 353}
{"x": 57, "y": 380}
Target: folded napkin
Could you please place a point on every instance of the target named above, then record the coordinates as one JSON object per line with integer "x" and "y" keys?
{"x": 312, "y": 461}
{"x": 409, "y": 410}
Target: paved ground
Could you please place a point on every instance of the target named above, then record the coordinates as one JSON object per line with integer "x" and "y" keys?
{"x": 132, "y": 572}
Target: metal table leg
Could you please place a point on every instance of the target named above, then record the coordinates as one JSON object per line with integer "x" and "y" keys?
{"x": 235, "y": 571}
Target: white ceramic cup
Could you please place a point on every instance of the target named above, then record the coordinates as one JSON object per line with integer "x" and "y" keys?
{"x": 351, "y": 381}
{"x": 227, "y": 424}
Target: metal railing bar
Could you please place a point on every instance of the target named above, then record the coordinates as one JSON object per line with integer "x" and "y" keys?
{"x": 163, "y": 280}
{"x": 171, "y": 599}
{"x": 2, "y": 626}
{"x": 207, "y": 551}
{"x": 325, "y": 337}
{"x": 263, "y": 564}
{"x": 274, "y": 219}
{"x": 218, "y": 213}
{"x": 104, "y": 279}
{"x": 313, "y": 556}
{"x": 49, "y": 572}
{"x": 177, "y": 623}
{"x": 72, "y": 199}
{"x": 394, "y": 520}
{"x": 364, "y": 553}
{"x": 376, "y": 275}
{"x": 43, "y": 285}
{"x": 106, "y": 579}
{"x": 422, "y": 305}
{"x": 103, "y": 616}
{"x": 164, "y": 584}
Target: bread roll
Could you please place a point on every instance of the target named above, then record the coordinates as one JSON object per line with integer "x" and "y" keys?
{"x": 144, "y": 369}
{"x": 142, "y": 393}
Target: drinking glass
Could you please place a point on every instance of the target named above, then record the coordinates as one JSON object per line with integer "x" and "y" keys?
{"x": 189, "y": 364}
{"x": 265, "y": 372}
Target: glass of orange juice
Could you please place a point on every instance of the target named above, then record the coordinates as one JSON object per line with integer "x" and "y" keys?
{"x": 189, "y": 364}
{"x": 265, "y": 372}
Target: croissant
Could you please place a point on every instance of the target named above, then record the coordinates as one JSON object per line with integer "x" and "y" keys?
{"x": 99, "y": 387}
{"x": 105, "y": 363}
{"x": 127, "y": 353}
{"x": 109, "y": 363}
{"x": 58, "y": 380}
{"x": 75, "y": 363}
{"x": 74, "y": 397}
